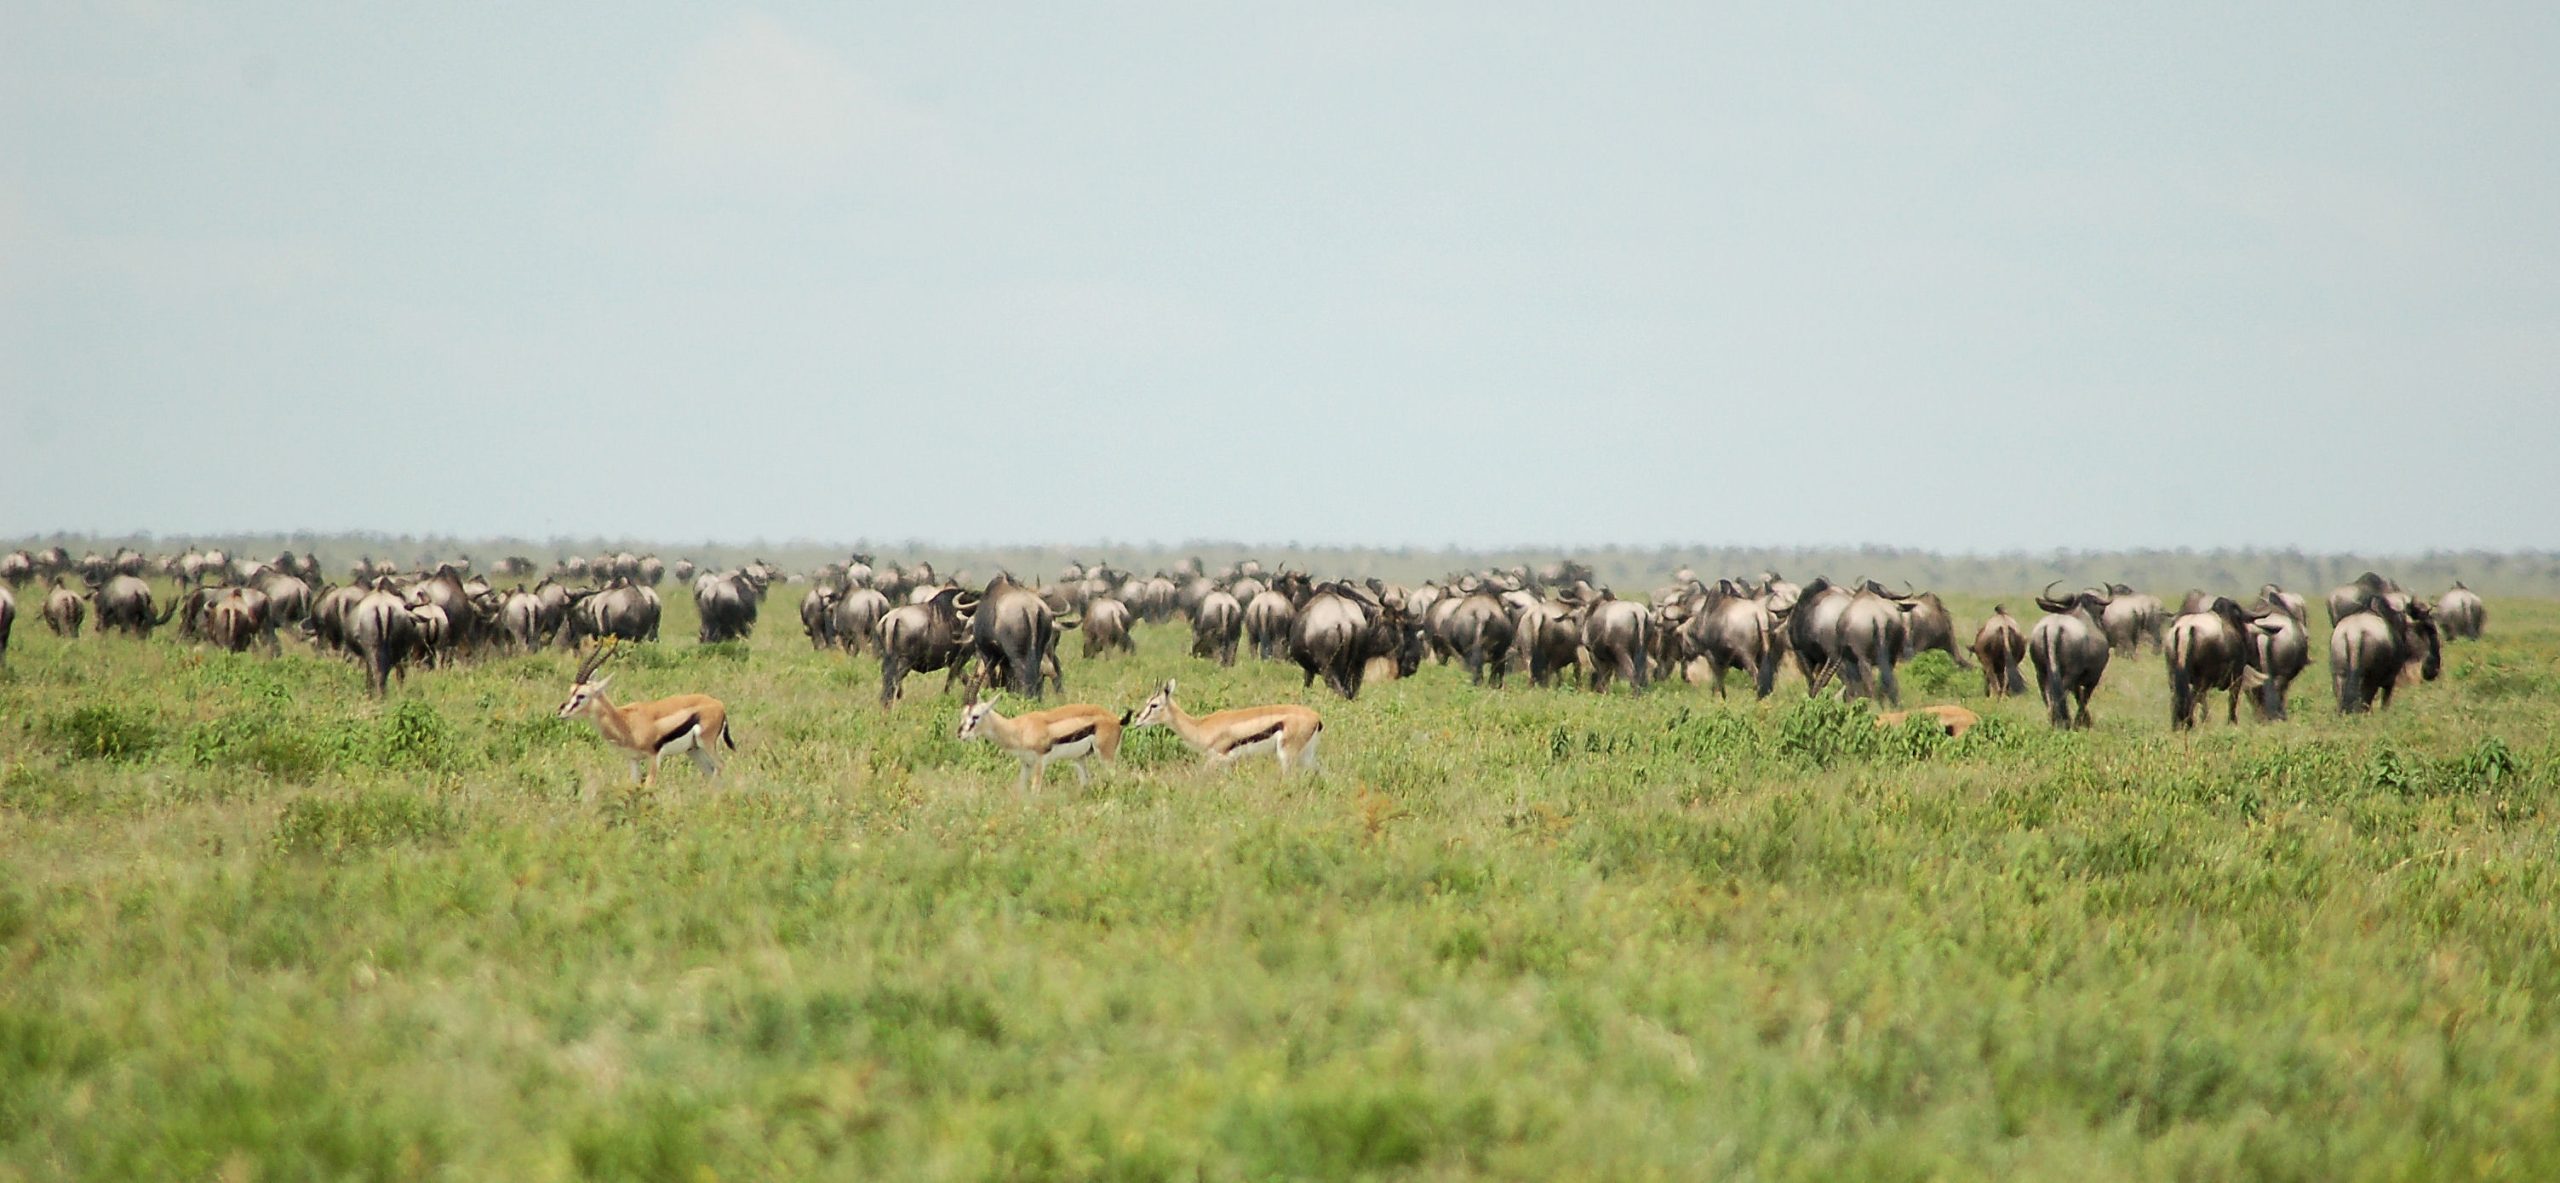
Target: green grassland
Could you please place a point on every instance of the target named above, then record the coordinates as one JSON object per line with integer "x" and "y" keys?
{"x": 253, "y": 925}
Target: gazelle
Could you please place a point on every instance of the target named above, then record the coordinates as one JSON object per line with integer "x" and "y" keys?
{"x": 1042, "y": 738}
{"x": 648, "y": 731}
{"x": 1289, "y": 732}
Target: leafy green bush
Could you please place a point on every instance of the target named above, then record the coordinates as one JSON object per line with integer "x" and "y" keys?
{"x": 412, "y": 735}
{"x": 1823, "y": 730}
{"x": 369, "y": 819}
{"x": 103, "y": 731}
{"x": 1932, "y": 675}
{"x": 2487, "y": 765}
{"x": 257, "y": 740}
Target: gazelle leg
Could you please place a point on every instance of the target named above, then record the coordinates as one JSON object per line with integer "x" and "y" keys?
{"x": 703, "y": 761}
{"x": 1082, "y": 777}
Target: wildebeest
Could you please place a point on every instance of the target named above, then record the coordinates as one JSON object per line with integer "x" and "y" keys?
{"x": 1267, "y": 617}
{"x": 384, "y": 635}
{"x": 2207, "y": 651}
{"x": 1332, "y": 636}
{"x": 1481, "y": 633}
{"x": 8, "y": 620}
{"x": 330, "y": 626}
{"x": 2351, "y": 598}
{"x": 1217, "y": 622}
{"x": 857, "y": 619}
{"x": 239, "y": 618}
{"x": 1871, "y": 638}
{"x": 2460, "y": 615}
{"x": 2132, "y": 617}
{"x": 2070, "y": 654}
{"x": 1733, "y": 630}
{"x": 2001, "y": 647}
{"x": 17, "y": 568}
{"x": 2387, "y": 638}
{"x": 1812, "y": 616}
{"x": 1016, "y": 632}
{"x": 727, "y": 604}
{"x": 288, "y": 596}
{"x": 1618, "y": 634}
{"x": 1547, "y": 634}
{"x": 64, "y": 609}
{"x": 520, "y": 619}
{"x": 435, "y": 631}
{"x": 922, "y": 638}
{"x": 445, "y": 592}
{"x": 624, "y": 611}
{"x": 125, "y": 603}
{"x": 2278, "y": 599}
{"x": 1927, "y": 625}
{"x": 818, "y": 615}
{"x": 2279, "y": 648}
{"x": 1106, "y": 627}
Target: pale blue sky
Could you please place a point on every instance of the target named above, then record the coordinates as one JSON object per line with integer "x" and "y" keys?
{"x": 1964, "y": 278}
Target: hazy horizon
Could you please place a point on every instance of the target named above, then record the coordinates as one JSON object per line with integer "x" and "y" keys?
{"x": 2008, "y": 280}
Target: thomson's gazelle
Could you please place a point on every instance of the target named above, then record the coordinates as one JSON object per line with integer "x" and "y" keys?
{"x": 1041, "y": 738}
{"x": 649, "y": 731}
{"x": 1289, "y": 732}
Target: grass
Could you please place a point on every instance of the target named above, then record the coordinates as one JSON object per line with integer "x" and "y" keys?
{"x": 255, "y": 926}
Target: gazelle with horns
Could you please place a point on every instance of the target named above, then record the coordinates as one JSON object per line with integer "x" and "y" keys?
{"x": 648, "y": 731}
{"x": 1287, "y": 731}
{"x": 1042, "y": 738}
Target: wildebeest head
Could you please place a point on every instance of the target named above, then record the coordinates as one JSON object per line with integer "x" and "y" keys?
{"x": 2090, "y": 603}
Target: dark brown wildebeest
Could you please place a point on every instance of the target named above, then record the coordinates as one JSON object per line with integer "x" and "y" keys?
{"x": 2388, "y": 639}
{"x": 2070, "y": 653}
{"x": 2001, "y": 646}
{"x": 2460, "y": 615}
{"x": 922, "y": 638}
{"x": 2207, "y": 651}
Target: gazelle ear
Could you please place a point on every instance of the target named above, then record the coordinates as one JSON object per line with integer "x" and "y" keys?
{"x": 1168, "y": 685}
{"x": 599, "y": 684}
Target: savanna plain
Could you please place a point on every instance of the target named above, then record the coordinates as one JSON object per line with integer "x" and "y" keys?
{"x": 254, "y": 925}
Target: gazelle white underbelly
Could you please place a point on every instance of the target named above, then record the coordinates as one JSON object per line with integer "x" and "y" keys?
{"x": 682, "y": 741}
{"x": 1255, "y": 747}
{"x": 1072, "y": 750}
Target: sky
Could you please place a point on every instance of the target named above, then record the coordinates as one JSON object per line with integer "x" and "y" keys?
{"x": 1968, "y": 278}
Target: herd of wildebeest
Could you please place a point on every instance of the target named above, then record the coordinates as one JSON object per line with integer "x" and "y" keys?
{"x": 1550, "y": 622}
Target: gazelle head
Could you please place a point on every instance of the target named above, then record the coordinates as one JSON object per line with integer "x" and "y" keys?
{"x": 589, "y": 688}
{"x": 974, "y": 711}
{"x": 1158, "y": 711}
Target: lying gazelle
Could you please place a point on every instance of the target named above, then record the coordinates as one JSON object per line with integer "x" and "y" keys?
{"x": 688, "y": 723}
{"x": 1289, "y": 732}
{"x": 1042, "y": 738}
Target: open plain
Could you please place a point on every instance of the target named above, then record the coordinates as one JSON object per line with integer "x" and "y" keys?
{"x": 254, "y": 924}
